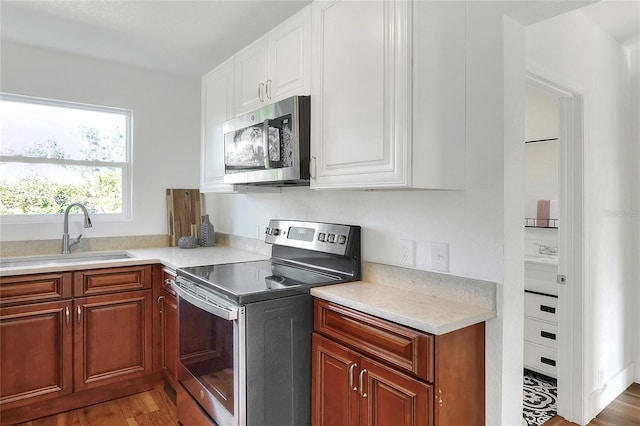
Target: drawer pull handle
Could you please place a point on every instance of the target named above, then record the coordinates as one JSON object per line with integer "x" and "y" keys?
{"x": 67, "y": 315}
{"x": 547, "y": 361}
{"x": 360, "y": 382}
{"x": 548, "y": 335}
{"x": 351, "y": 367}
{"x": 550, "y": 309}
{"x": 79, "y": 312}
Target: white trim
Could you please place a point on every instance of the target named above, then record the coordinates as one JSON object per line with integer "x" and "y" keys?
{"x": 613, "y": 387}
{"x": 636, "y": 377}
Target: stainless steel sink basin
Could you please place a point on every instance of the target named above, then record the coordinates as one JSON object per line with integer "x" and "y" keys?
{"x": 58, "y": 259}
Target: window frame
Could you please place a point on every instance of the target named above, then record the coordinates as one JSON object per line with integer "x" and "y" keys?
{"x": 126, "y": 166}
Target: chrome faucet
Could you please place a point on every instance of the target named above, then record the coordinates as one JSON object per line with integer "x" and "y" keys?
{"x": 66, "y": 243}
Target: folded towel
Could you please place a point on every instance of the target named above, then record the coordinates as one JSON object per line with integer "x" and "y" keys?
{"x": 543, "y": 213}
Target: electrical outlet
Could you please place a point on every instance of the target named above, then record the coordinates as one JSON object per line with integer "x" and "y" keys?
{"x": 440, "y": 257}
{"x": 259, "y": 232}
{"x": 407, "y": 252}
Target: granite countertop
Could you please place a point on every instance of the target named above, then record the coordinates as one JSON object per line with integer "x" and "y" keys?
{"x": 172, "y": 257}
{"x": 418, "y": 310}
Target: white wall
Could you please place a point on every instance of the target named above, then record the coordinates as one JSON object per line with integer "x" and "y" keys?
{"x": 166, "y": 129}
{"x": 571, "y": 51}
{"x": 634, "y": 213}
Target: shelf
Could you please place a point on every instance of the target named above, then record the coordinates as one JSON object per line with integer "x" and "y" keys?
{"x": 532, "y": 222}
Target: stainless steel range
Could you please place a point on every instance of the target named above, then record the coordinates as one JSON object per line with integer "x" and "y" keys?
{"x": 245, "y": 328}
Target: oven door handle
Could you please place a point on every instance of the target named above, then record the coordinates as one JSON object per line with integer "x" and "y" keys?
{"x": 228, "y": 314}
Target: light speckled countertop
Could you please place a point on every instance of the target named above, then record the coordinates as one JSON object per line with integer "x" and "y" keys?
{"x": 415, "y": 309}
{"x": 172, "y": 257}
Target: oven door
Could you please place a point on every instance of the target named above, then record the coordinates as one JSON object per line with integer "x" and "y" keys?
{"x": 211, "y": 347}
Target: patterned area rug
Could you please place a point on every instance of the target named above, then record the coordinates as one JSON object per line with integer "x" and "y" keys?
{"x": 540, "y": 394}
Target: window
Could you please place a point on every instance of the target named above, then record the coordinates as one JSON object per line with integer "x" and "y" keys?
{"x": 54, "y": 153}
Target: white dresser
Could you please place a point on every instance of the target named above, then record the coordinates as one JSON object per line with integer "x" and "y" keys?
{"x": 541, "y": 317}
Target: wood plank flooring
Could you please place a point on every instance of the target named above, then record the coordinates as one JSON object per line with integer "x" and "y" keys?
{"x": 151, "y": 408}
{"x": 623, "y": 411}
{"x": 157, "y": 408}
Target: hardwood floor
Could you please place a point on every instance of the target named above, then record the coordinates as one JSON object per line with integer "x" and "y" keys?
{"x": 623, "y": 411}
{"x": 151, "y": 408}
{"x": 157, "y": 408}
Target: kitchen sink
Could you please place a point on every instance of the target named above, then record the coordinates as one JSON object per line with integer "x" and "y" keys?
{"x": 57, "y": 259}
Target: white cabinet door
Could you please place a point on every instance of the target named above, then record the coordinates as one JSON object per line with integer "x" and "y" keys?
{"x": 275, "y": 66}
{"x": 251, "y": 76}
{"x": 289, "y": 57}
{"x": 360, "y": 103}
{"x": 217, "y": 107}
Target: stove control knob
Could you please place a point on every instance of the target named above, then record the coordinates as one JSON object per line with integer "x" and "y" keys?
{"x": 321, "y": 236}
{"x": 269, "y": 231}
{"x": 342, "y": 239}
{"x": 331, "y": 238}
{"x": 276, "y": 231}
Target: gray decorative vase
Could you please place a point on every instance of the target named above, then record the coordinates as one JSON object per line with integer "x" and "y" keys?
{"x": 207, "y": 236}
{"x": 188, "y": 242}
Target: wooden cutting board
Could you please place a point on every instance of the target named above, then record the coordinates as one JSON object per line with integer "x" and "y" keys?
{"x": 183, "y": 211}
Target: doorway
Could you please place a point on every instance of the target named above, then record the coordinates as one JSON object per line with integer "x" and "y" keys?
{"x": 553, "y": 245}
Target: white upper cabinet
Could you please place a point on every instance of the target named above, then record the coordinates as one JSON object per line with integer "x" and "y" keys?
{"x": 217, "y": 107}
{"x": 276, "y": 65}
{"x": 376, "y": 121}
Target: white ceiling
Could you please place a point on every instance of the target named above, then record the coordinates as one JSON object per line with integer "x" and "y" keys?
{"x": 192, "y": 37}
{"x": 180, "y": 36}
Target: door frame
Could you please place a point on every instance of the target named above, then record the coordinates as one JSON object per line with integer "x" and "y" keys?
{"x": 572, "y": 402}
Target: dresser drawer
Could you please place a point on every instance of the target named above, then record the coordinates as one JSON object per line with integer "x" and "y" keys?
{"x": 541, "y": 307}
{"x": 402, "y": 347}
{"x": 541, "y": 359}
{"x": 540, "y": 332}
{"x": 109, "y": 280}
{"x": 35, "y": 288}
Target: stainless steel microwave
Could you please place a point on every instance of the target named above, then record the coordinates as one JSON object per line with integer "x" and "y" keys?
{"x": 269, "y": 146}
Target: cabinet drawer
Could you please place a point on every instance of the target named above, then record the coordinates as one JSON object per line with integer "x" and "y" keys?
{"x": 99, "y": 281}
{"x": 402, "y": 347}
{"x": 541, "y": 307}
{"x": 34, "y": 288}
{"x": 541, "y": 359}
{"x": 542, "y": 333}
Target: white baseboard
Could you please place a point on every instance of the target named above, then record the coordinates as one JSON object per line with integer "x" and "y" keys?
{"x": 612, "y": 388}
{"x": 636, "y": 377}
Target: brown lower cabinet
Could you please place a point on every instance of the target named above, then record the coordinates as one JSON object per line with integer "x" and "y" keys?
{"x": 73, "y": 351}
{"x": 370, "y": 371}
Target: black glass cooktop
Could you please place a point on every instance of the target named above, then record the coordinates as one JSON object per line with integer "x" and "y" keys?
{"x": 254, "y": 281}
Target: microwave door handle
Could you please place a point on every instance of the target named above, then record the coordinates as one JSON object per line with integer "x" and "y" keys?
{"x": 265, "y": 144}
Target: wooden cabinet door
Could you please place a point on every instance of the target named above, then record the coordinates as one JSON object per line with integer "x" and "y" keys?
{"x": 112, "y": 338}
{"x": 169, "y": 327}
{"x": 388, "y": 397}
{"x": 334, "y": 377}
{"x": 217, "y": 107}
{"x": 35, "y": 353}
{"x": 360, "y": 109}
{"x": 250, "y": 76}
{"x": 289, "y": 57}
